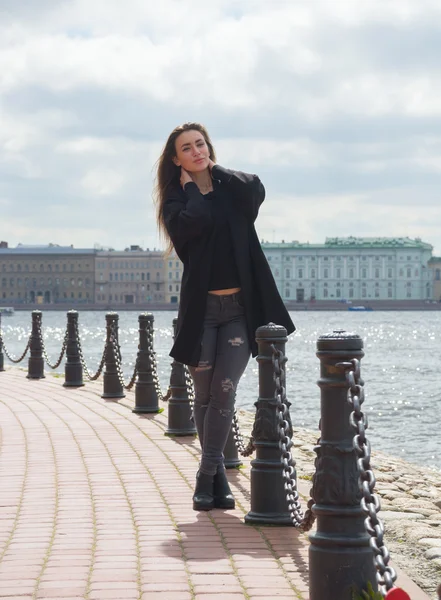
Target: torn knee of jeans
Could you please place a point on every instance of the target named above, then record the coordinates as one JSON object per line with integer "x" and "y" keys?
{"x": 225, "y": 412}
{"x": 204, "y": 365}
{"x": 227, "y": 385}
{"x": 237, "y": 341}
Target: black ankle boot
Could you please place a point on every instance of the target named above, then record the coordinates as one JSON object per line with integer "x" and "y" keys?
{"x": 203, "y": 498}
{"x": 223, "y": 498}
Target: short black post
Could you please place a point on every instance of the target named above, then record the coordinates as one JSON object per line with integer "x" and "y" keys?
{"x": 146, "y": 393}
{"x": 73, "y": 369}
{"x": 268, "y": 496}
{"x": 340, "y": 558}
{"x": 36, "y": 361}
{"x": 179, "y": 408}
{"x": 231, "y": 455}
{"x": 112, "y": 385}
{"x": 2, "y": 358}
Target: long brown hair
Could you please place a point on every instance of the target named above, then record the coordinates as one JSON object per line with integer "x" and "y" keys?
{"x": 169, "y": 174}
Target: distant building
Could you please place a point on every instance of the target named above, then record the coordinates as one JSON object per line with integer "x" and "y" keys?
{"x": 46, "y": 275}
{"x": 356, "y": 269}
{"x": 136, "y": 276}
{"x": 341, "y": 269}
{"x": 435, "y": 267}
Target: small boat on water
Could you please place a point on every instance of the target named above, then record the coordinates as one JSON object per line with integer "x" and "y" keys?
{"x": 6, "y": 310}
{"x": 360, "y": 308}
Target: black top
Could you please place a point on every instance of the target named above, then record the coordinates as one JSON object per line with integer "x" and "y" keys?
{"x": 224, "y": 274}
{"x": 191, "y": 224}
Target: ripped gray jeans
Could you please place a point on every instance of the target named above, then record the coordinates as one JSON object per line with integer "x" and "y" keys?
{"x": 224, "y": 356}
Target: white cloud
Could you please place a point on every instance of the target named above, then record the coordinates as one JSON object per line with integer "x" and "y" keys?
{"x": 298, "y": 91}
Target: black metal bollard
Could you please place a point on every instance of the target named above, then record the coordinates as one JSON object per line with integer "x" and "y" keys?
{"x": 179, "y": 408}
{"x": 268, "y": 496}
{"x": 2, "y": 358}
{"x": 231, "y": 455}
{"x": 340, "y": 557}
{"x": 36, "y": 361}
{"x": 146, "y": 393}
{"x": 73, "y": 369}
{"x": 112, "y": 387}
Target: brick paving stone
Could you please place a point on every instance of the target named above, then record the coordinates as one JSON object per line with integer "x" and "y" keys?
{"x": 221, "y": 595}
{"x": 166, "y": 596}
{"x": 112, "y": 528}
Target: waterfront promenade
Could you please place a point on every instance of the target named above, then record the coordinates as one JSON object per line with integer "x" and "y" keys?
{"x": 96, "y": 504}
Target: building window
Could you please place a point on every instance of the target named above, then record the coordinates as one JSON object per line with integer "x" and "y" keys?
{"x": 438, "y": 274}
{"x": 389, "y": 272}
{"x": 409, "y": 272}
{"x": 416, "y": 272}
{"x": 170, "y": 288}
{"x": 287, "y": 273}
{"x": 401, "y": 272}
{"x": 325, "y": 293}
{"x": 363, "y": 292}
{"x": 312, "y": 273}
{"x": 300, "y": 273}
{"x": 351, "y": 292}
{"x": 177, "y": 288}
{"x": 287, "y": 293}
{"x": 377, "y": 273}
{"x": 325, "y": 273}
{"x": 338, "y": 293}
{"x": 338, "y": 273}
{"x": 110, "y": 276}
{"x": 351, "y": 272}
{"x": 377, "y": 293}
{"x": 389, "y": 293}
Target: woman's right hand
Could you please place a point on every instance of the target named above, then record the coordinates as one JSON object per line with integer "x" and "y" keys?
{"x": 185, "y": 177}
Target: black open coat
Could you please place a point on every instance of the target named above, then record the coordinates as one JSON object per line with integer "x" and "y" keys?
{"x": 189, "y": 221}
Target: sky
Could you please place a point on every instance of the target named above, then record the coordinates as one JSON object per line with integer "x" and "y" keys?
{"x": 335, "y": 104}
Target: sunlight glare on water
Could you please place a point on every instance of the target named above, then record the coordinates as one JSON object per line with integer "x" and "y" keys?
{"x": 401, "y": 368}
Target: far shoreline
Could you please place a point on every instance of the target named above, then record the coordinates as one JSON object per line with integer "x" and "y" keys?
{"x": 365, "y": 305}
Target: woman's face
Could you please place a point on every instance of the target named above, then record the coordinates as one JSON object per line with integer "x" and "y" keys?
{"x": 192, "y": 152}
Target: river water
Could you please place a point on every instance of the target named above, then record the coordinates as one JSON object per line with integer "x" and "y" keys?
{"x": 401, "y": 368}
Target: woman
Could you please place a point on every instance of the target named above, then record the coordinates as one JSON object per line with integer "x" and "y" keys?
{"x": 207, "y": 213}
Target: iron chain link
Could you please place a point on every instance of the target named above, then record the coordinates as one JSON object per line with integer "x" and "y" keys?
{"x": 303, "y": 522}
{"x": 10, "y": 357}
{"x": 118, "y": 361}
{"x": 86, "y": 371}
{"x": 43, "y": 348}
{"x": 370, "y": 502}
{"x": 238, "y": 438}
{"x": 190, "y": 387}
{"x": 154, "y": 364}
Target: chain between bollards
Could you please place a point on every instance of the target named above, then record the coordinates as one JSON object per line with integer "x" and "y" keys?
{"x": 370, "y": 502}
{"x": 86, "y": 371}
{"x": 303, "y": 522}
{"x": 4, "y": 349}
{"x": 43, "y": 349}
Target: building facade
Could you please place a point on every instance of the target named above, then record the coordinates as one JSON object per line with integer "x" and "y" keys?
{"x": 342, "y": 269}
{"x": 46, "y": 275}
{"x": 136, "y": 276}
{"x": 352, "y": 269}
{"x": 435, "y": 267}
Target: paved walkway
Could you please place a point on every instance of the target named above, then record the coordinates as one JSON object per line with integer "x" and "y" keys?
{"x": 95, "y": 503}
